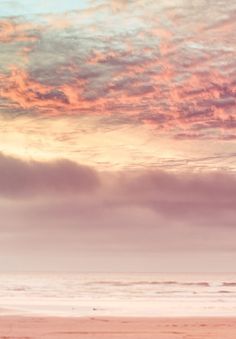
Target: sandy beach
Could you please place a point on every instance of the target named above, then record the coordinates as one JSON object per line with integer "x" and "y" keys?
{"x": 117, "y": 328}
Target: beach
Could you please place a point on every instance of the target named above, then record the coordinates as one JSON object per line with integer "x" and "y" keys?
{"x": 117, "y": 306}
{"x": 19, "y": 327}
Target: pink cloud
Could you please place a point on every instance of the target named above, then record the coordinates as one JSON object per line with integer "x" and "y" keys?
{"x": 11, "y": 31}
{"x": 166, "y": 193}
{"x": 62, "y": 210}
{"x": 21, "y": 178}
{"x": 170, "y": 72}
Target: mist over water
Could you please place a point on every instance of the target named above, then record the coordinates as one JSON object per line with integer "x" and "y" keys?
{"x": 70, "y": 294}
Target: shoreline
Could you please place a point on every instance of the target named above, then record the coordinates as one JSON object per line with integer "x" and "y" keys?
{"x": 35, "y": 327}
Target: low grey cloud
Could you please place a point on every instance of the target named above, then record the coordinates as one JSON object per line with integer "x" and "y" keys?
{"x": 64, "y": 212}
{"x": 26, "y": 179}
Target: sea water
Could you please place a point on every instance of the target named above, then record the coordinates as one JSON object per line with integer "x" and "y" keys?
{"x": 107, "y": 294}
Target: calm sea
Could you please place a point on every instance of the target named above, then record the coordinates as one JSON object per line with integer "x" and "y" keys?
{"x": 153, "y": 295}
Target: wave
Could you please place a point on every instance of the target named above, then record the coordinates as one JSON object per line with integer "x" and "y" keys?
{"x": 18, "y": 289}
{"x": 224, "y": 291}
{"x": 203, "y": 283}
{"x": 229, "y": 284}
{"x": 136, "y": 283}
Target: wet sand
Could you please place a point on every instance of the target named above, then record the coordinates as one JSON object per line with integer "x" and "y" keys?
{"x": 116, "y": 328}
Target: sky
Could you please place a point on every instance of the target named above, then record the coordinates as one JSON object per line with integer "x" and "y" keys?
{"x": 117, "y": 135}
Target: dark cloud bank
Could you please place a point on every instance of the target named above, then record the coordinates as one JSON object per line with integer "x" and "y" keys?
{"x": 163, "y": 192}
{"x": 61, "y": 215}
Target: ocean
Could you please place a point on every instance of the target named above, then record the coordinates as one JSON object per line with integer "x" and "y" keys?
{"x": 107, "y": 294}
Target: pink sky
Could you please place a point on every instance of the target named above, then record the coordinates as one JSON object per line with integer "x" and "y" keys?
{"x": 117, "y": 131}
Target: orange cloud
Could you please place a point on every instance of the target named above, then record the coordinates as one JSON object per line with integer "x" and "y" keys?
{"x": 16, "y": 32}
{"x": 24, "y": 92}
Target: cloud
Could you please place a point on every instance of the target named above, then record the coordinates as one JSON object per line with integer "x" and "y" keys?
{"x": 15, "y": 31}
{"x": 25, "y": 179}
{"x": 111, "y": 83}
{"x": 65, "y": 212}
{"x": 168, "y": 193}
{"x": 174, "y": 74}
